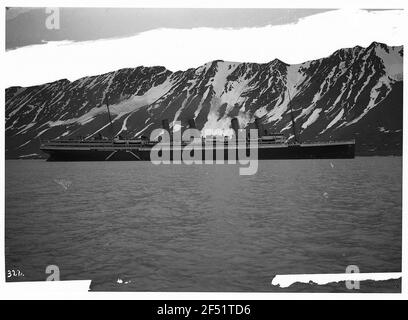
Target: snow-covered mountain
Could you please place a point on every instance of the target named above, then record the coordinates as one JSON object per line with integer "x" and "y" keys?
{"x": 354, "y": 93}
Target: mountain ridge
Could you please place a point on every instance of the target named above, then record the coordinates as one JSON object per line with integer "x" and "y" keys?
{"x": 353, "y": 93}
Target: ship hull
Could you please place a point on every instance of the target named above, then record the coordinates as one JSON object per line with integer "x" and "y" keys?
{"x": 275, "y": 152}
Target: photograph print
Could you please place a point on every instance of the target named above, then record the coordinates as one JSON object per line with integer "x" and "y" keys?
{"x": 204, "y": 149}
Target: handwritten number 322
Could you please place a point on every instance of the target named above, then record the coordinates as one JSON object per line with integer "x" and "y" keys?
{"x": 14, "y": 273}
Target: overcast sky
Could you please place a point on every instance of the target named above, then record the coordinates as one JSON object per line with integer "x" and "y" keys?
{"x": 94, "y": 41}
{"x": 26, "y": 26}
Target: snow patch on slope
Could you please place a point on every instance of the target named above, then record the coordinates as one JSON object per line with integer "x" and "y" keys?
{"x": 218, "y": 99}
{"x": 293, "y": 78}
{"x": 122, "y": 108}
{"x": 334, "y": 121}
{"x": 392, "y": 62}
{"x": 375, "y": 91}
{"x": 312, "y": 118}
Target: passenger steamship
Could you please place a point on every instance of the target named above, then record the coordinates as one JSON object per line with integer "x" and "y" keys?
{"x": 270, "y": 146}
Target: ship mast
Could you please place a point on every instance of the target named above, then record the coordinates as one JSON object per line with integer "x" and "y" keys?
{"x": 110, "y": 118}
{"x": 292, "y": 118}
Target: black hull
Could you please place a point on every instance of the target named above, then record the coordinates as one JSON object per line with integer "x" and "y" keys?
{"x": 312, "y": 151}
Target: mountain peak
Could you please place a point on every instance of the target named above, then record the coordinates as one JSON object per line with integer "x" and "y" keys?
{"x": 278, "y": 61}
{"x": 381, "y": 45}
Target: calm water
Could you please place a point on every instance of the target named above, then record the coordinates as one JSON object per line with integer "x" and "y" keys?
{"x": 202, "y": 227}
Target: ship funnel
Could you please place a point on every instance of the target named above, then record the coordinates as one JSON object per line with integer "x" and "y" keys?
{"x": 165, "y": 125}
{"x": 191, "y": 124}
{"x": 235, "y": 126}
{"x": 259, "y": 126}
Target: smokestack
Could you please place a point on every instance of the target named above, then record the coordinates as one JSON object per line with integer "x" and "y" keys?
{"x": 235, "y": 126}
{"x": 259, "y": 126}
{"x": 165, "y": 125}
{"x": 191, "y": 124}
